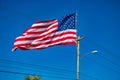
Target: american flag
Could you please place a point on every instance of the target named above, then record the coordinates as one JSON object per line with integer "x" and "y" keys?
{"x": 43, "y": 34}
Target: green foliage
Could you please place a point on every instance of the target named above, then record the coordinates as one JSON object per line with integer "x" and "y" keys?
{"x": 32, "y": 78}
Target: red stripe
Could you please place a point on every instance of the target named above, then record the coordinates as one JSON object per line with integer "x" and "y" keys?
{"x": 39, "y": 36}
{"x": 67, "y": 43}
{"x": 36, "y": 27}
{"x": 47, "y": 43}
{"x": 33, "y": 38}
{"x": 45, "y": 26}
{"x": 55, "y": 26}
{"x": 39, "y": 27}
{"x": 55, "y": 36}
{"x": 45, "y": 21}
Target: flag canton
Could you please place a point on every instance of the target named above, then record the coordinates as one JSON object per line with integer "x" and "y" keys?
{"x": 66, "y": 22}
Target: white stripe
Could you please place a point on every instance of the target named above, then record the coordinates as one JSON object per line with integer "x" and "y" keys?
{"x": 68, "y": 30}
{"x": 37, "y": 35}
{"x": 45, "y": 33}
{"x": 13, "y": 49}
{"x": 37, "y": 30}
{"x": 53, "y": 39}
{"x": 50, "y": 35}
{"x": 23, "y": 42}
{"x": 41, "y": 29}
{"x": 44, "y": 46}
{"x": 39, "y": 41}
{"x": 43, "y": 23}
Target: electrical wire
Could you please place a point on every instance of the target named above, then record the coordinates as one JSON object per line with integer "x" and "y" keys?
{"x": 50, "y": 72}
{"x": 17, "y": 13}
{"x": 13, "y": 72}
{"x": 103, "y": 48}
{"x": 102, "y": 63}
{"x": 56, "y": 73}
{"x": 43, "y": 67}
{"x": 93, "y": 78}
{"x": 108, "y": 60}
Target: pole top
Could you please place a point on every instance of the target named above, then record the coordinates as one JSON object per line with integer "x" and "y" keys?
{"x": 79, "y": 38}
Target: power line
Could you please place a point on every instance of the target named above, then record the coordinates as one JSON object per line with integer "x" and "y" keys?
{"x": 90, "y": 76}
{"x": 90, "y": 59}
{"x": 47, "y": 72}
{"x": 44, "y": 67}
{"x": 13, "y": 21}
{"x": 103, "y": 48}
{"x": 17, "y": 12}
{"x": 50, "y": 72}
{"x": 37, "y": 75}
{"x": 112, "y": 62}
{"x": 56, "y": 73}
{"x": 108, "y": 60}
{"x": 102, "y": 63}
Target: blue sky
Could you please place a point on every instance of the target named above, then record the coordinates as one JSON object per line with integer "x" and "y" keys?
{"x": 98, "y": 22}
